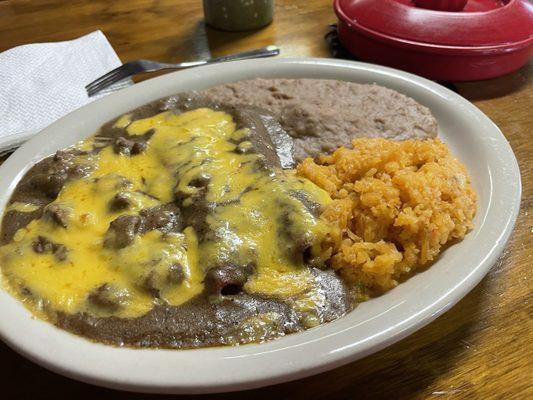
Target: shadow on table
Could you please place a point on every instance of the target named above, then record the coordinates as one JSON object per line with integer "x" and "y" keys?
{"x": 401, "y": 371}
{"x": 497, "y": 87}
{"x": 205, "y": 42}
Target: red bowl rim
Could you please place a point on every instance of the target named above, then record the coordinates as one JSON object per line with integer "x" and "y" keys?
{"x": 429, "y": 47}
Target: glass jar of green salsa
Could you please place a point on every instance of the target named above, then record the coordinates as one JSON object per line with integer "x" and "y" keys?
{"x": 238, "y": 15}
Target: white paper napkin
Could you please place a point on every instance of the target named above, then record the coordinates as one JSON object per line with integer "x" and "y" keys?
{"x": 42, "y": 82}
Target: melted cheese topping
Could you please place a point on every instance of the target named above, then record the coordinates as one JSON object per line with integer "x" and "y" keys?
{"x": 22, "y": 207}
{"x": 253, "y": 218}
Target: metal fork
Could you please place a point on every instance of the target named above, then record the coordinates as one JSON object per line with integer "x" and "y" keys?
{"x": 136, "y": 67}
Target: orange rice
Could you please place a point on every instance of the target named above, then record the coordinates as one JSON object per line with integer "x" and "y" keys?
{"x": 395, "y": 205}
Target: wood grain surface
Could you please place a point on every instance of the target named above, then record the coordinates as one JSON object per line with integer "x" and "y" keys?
{"x": 480, "y": 349}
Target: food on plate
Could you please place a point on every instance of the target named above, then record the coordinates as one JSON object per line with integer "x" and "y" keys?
{"x": 396, "y": 204}
{"x": 188, "y": 223}
{"x": 174, "y": 226}
{"x": 322, "y": 115}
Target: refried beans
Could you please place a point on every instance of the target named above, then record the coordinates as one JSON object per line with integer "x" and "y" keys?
{"x": 323, "y": 115}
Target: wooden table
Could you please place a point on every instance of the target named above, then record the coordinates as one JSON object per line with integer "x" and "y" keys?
{"x": 480, "y": 349}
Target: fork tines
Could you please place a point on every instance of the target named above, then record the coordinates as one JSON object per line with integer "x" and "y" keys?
{"x": 118, "y": 74}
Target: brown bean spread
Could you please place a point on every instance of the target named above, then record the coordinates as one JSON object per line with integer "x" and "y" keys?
{"x": 177, "y": 225}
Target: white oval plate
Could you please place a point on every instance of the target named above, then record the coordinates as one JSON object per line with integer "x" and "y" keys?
{"x": 373, "y": 325}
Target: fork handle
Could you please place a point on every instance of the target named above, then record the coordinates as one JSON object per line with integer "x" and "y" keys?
{"x": 268, "y": 51}
{"x": 134, "y": 67}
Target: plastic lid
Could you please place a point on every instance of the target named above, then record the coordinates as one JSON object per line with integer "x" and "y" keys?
{"x": 481, "y": 23}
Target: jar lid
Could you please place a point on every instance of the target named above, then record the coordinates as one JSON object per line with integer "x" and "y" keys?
{"x": 482, "y": 24}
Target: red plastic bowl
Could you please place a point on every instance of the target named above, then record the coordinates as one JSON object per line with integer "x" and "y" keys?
{"x": 487, "y": 39}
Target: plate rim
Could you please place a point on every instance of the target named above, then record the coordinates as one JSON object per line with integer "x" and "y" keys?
{"x": 298, "y": 370}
